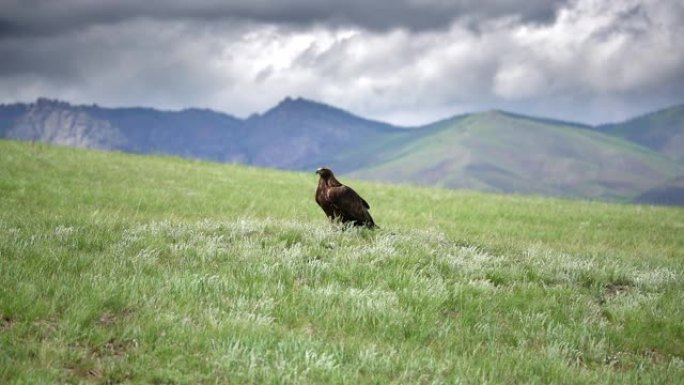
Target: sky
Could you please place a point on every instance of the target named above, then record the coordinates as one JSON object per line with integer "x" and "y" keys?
{"x": 406, "y": 62}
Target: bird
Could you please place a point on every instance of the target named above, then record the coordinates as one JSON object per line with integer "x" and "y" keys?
{"x": 341, "y": 203}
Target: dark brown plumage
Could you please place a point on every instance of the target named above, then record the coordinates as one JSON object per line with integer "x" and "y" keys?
{"x": 340, "y": 202}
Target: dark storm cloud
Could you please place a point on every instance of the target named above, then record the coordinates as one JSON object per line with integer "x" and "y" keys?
{"x": 41, "y": 17}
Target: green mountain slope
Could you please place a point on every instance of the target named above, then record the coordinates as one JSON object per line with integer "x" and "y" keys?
{"x": 500, "y": 152}
{"x": 662, "y": 131}
{"x": 119, "y": 268}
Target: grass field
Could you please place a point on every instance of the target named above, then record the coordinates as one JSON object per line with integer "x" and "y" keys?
{"x": 117, "y": 268}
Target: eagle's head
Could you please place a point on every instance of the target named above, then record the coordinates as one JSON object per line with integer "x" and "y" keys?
{"x": 324, "y": 172}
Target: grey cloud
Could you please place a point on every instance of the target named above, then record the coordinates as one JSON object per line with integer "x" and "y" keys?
{"x": 45, "y": 17}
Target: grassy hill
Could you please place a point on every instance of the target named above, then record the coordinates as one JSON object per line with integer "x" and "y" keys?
{"x": 128, "y": 269}
{"x": 661, "y": 130}
{"x": 501, "y": 152}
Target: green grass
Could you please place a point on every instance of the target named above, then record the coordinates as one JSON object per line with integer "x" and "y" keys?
{"x": 126, "y": 269}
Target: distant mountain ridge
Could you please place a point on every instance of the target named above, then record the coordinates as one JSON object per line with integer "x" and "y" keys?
{"x": 661, "y": 130}
{"x": 640, "y": 160}
{"x": 299, "y": 134}
{"x": 500, "y": 152}
{"x": 191, "y": 133}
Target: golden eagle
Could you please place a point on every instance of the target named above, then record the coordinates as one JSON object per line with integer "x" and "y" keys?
{"x": 340, "y": 202}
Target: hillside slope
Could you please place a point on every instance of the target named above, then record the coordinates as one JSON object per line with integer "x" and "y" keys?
{"x": 661, "y": 130}
{"x": 119, "y": 268}
{"x": 500, "y": 152}
{"x": 669, "y": 193}
{"x": 300, "y": 134}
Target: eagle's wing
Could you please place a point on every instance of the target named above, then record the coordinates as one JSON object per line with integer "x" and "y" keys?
{"x": 347, "y": 195}
{"x": 349, "y": 203}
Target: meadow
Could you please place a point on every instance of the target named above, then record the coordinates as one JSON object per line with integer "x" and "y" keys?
{"x": 117, "y": 268}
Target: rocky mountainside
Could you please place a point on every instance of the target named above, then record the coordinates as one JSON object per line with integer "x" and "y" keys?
{"x": 640, "y": 159}
{"x": 60, "y": 123}
{"x": 191, "y": 133}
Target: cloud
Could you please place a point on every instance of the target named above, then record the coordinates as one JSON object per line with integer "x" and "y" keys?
{"x": 41, "y": 17}
{"x": 408, "y": 62}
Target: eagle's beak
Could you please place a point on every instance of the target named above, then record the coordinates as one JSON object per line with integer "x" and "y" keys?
{"x": 318, "y": 171}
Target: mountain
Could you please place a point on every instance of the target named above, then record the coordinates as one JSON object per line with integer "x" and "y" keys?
{"x": 296, "y": 134}
{"x": 299, "y": 134}
{"x": 191, "y": 133}
{"x": 501, "y": 152}
{"x": 492, "y": 151}
{"x": 662, "y": 131}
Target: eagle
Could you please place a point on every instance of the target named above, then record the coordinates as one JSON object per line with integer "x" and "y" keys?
{"x": 340, "y": 202}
